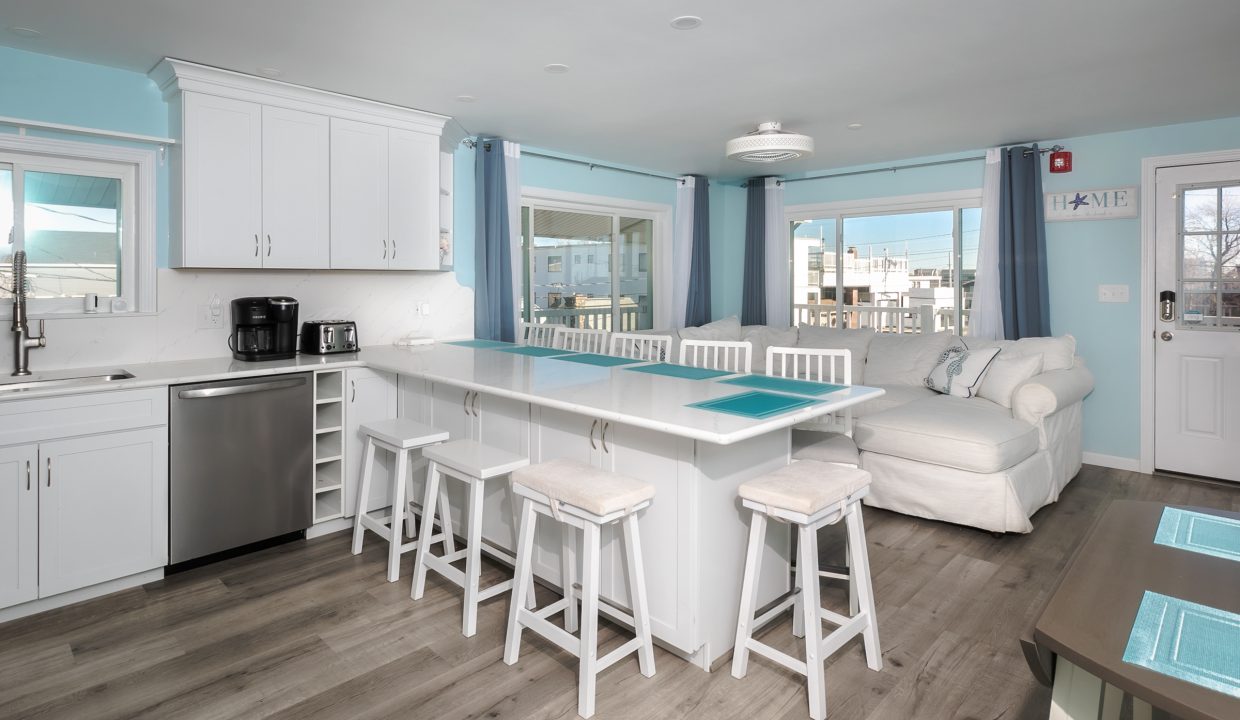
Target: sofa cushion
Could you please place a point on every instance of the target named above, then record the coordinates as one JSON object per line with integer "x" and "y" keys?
{"x": 763, "y": 336}
{"x": 728, "y": 328}
{"x": 959, "y": 370}
{"x": 973, "y": 435}
{"x": 904, "y": 359}
{"x": 1057, "y": 352}
{"x": 1007, "y": 373}
{"x": 896, "y": 396}
{"x": 827, "y": 338}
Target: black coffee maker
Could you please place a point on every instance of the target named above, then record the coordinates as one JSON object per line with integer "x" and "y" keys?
{"x": 264, "y": 328}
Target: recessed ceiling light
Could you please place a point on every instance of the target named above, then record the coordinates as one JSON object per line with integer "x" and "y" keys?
{"x": 687, "y": 22}
{"x": 854, "y": 126}
{"x": 25, "y": 32}
{"x": 556, "y": 68}
{"x": 465, "y": 98}
{"x": 271, "y": 72}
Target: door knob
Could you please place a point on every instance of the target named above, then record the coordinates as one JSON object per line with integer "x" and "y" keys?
{"x": 1166, "y": 336}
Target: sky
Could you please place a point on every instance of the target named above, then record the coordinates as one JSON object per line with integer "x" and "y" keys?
{"x": 925, "y": 236}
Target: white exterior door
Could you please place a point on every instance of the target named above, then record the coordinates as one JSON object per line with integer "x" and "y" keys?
{"x": 369, "y": 396}
{"x": 19, "y": 525}
{"x": 359, "y": 195}
{"x": 103, "y": 508}
{"x": 1197, "y": 346}
{"x": 295, "y": 189}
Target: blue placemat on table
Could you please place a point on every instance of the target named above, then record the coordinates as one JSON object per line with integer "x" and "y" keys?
{"x": 596, "y": 359}
{"x": 1200, "y": 533}
{"x": 755, "y": 405}
{"x": 680, "y": 371}
{"x": 783, "y": 384}
{"x": 1195, "y": 643}
{"x": 480, "y": 344}
{"x": 534, "y": 351}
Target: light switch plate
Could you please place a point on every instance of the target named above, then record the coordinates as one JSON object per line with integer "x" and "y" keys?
{"x": 1113, "y": 293}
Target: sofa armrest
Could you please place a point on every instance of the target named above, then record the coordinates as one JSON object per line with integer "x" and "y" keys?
{"x": 1050, "y": 392}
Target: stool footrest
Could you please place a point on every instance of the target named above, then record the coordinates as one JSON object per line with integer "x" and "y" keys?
{"x": 615, "y": 655}
{"x": 443, "y": 566}
{"x": 789, "y": 599}
{"x": 770, "y": 653}
{"x": 497, "y": 553}
{"x": 553, "y": 608}
{"x": 496, "y": 589}
{"x": 834, "y": 618}
{"x": 843, "y": 634}
{"x": 615, "y": 613}
{"x": 561, "y": 637}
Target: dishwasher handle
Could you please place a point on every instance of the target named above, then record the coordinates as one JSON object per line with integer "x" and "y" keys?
{"x": 226, "y": 390}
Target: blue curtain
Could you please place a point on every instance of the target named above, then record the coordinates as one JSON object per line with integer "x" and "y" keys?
{"x": 753, "y": 293}
{"x": 494, "y": 315}
{"x": 1023, "y": 287}
{"x": 697, "y": 309}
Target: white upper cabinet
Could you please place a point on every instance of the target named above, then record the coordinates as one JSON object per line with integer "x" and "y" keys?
{"x": 295, "y": 189}
{"x": 359, "y": 195}
{"x": 221, "y": 183}
{"x": 268, "y": 174}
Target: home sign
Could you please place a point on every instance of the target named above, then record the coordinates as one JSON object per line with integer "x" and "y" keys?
{"x": 1107, "y": 204}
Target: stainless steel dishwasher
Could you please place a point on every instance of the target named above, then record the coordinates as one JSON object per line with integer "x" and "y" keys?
{"x": 241, "y": 456}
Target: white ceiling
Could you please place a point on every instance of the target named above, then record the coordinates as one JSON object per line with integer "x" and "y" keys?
{"x": 923, "y": 77}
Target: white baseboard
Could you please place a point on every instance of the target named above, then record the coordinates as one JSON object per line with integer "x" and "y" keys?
{"x": 1111, "y": 461}
{"x": 68, "y": 598}
{"x": 329, "y": 527}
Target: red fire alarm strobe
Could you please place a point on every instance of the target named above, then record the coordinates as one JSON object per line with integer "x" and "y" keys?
{"x": 1061, "y": 161}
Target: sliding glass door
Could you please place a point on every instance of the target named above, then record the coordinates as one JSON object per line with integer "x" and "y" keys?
{"x": 587, "y": 269}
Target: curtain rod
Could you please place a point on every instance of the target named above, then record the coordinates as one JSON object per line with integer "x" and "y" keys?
{"x": 22, "y": 125}
{"x": 913, "y": 166}
{"x": 591, "y": 165}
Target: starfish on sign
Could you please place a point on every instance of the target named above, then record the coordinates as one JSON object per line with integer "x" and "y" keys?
{"x": 1078, "y": 201}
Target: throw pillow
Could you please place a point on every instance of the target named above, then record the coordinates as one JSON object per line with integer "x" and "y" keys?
{"x": 728, "y": 328}
{"x": 904, "y": 359}
{"x": 854, "y": 340}
{"x": 1006, "y": 374}
{"x": 1058, "y": 353}
{"x": 763, "y": 336}
{"x": 959, "y": 370}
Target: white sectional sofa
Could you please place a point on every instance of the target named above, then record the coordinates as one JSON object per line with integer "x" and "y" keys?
{"x": 988, "y": 461}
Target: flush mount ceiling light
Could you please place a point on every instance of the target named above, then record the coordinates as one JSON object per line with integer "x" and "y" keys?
{"x": 687, "y": 22}
{"x": 25, "y": 32}
{"x": 769, "y": 144}
{"x": 854, "y": 126}
{"x": 271, "y": 72}
{"x": 556, "y": 68}
{"x": 465, "y": 98}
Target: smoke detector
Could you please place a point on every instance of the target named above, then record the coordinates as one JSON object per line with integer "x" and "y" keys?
{"x": 768, "y": 144}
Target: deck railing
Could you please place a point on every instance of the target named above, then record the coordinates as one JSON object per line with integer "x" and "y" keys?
{"x": 591, "y": 318}
{"x": 880, "y": 318}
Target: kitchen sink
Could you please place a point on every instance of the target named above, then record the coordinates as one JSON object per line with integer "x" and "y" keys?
{"x": 50, "y": 380}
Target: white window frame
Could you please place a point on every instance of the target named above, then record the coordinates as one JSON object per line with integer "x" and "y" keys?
{"x": 660, "y": 216}
{"x": 135, "y": 168}
{"x": 955, "y": 201}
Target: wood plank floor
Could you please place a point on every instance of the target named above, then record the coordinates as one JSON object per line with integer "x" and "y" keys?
{"x": 308, "y": 631}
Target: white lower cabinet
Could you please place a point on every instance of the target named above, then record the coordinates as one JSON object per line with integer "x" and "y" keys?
{"x": 102, "y": 508}
{"x": 79, "y": 511}
{"x": 370, "y": 396}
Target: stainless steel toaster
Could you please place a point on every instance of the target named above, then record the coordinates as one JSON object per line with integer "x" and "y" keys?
{"x": 322, "y": 337}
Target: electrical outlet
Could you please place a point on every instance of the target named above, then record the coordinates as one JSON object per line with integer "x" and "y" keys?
{"x": 424, "y": 309}
{"x": 1113, "y": 293}
{"x": 211, "y": 314}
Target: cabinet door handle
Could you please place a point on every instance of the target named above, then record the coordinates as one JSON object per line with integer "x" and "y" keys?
{"x": 465, "y": 403}
{"x": 593, "y": 427}
{"x": 385, "y": 248}
{"x": 255, "y": 244}
{"x": 604, "y": 438}
{"x": 49, "y": 472}
{"x": 473, "y": 404}
{"x": 27, "y": 475}
{"x": 353, "y": 385}
{"x": 269, "y": 245}
{"x": 393, "y": 248}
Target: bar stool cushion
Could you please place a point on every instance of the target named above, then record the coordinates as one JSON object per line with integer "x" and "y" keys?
{"x": 474, "y": 458}
{"x": 583, "y": 486}
{"x": 805, "y": 486}
{"x": 824, "y": 447}
{"x": 404, "y": 434}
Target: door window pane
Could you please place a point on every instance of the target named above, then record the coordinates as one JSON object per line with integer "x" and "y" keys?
{"x": 813, "y": 270}
{"x": 901, "y": 260}
{"x": 6, "y": 230}
{"x": 571, "y": 292}
{"x": 970, "y": 233}
{"x": 636, "y": 284}
{"x": 72, "y": 235}
{"x": 1201, "y": 210}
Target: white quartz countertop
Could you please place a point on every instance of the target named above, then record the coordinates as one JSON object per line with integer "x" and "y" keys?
{"x": 644, "y": 400}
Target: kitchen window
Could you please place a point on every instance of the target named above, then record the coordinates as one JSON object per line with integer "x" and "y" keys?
{"x": 907, "y": 255}
{"x": 84, "y": 215}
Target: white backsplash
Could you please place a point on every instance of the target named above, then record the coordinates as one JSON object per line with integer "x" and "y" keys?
{"x": 383, "y": 304}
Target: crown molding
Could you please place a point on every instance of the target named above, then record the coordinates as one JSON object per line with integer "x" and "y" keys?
{"x": 174, "y": 76}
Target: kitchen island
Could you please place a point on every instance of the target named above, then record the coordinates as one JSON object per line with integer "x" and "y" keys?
{"x": 634, "y": 423}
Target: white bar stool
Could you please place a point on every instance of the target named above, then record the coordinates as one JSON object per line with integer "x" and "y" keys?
{"x": 473, "y": 463}
{"x": 810, "y": 495}
{"x": 399, "y": 437}
{"x": 580, "y": 496}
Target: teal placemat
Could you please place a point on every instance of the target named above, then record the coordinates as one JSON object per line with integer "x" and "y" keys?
{"x": 680, "y": 371}
{"x": 1195, "y": 643}
{"x": 480, "y": 344}
{"x": 756, "y": 405}
{"x": 534, "y": 351}
{"x": 1199, "y": 533}
{"x": 600, "y": 360}
{"x": 783, "y": 384}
